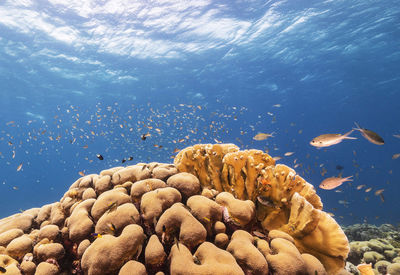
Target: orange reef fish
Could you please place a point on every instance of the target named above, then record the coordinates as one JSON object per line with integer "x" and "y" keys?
{"x": 333, "y": 182}
{"x": 395, "y": 156}
{"x": 112, "y": 227}
{"x": 360, "y": 186}
{"x": 370, "y": 135}
{"x": 330, "y": 139}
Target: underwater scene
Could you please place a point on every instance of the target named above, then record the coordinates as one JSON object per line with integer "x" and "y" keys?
{"x": 200, "y": 137}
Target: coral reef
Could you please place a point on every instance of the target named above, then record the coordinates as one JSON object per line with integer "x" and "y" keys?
{"x": 284, "y": 200}
{"x": 218, "y": 210}
{"x": 374, "y": 249}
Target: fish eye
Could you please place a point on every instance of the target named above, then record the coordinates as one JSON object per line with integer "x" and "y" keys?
{"x": 320, "y": 142}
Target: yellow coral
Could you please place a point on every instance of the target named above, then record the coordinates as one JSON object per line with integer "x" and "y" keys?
{"x": 284, "y": 200}
{"x": 241, "y": 170}
{"x": 278, "y": 184}
{"x": 224, "y": 168}
{"x": 205, "y": 162}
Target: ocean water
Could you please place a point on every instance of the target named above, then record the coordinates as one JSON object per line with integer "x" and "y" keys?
{"x": 80, "y": 78}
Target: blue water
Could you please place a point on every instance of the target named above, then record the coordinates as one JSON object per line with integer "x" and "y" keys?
{"x": 98, "y": 74}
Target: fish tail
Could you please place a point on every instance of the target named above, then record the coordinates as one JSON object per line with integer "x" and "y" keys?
{"x": 358, "y": 128}
{"x": 346, "y": 136}
{"x": 349, "y": 178}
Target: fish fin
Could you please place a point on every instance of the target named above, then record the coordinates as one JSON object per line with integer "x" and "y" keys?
{"x": 346, "y": 136}
{"x": 358, "y": 127}
{"x": 349, "y": 178}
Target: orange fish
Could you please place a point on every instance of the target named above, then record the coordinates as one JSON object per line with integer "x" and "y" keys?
{"x": 263, "y": 136}
{"x": 19, "y": 167}
{"x": 330, "y": 139}
{"x": 395, "y": 156}
{"x": 333, "y": 182}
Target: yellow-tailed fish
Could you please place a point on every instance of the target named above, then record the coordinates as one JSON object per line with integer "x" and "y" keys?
{"x": 370, "y": 135}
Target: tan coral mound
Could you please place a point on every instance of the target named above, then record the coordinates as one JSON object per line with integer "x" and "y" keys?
{"x": 108, "y": 254}
{"x": 247, "y": 255}
{"x": 252, "y": 174}
{"x": 207, "y": 260}
{"x": 156, "y": 218}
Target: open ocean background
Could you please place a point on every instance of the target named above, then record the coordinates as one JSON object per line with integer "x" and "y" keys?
{"x": 80, "y": 78}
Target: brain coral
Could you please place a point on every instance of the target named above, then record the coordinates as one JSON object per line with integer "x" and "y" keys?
{"x": 154, "y": 219}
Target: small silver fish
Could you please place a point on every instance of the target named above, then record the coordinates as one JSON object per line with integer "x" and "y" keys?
{"x": 330, "y": 139}
{"x": 370, "y": 135}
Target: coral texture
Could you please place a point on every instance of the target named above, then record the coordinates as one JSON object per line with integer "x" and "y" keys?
{"x": 284, "y": 200}
{"x": 218, "y": 210}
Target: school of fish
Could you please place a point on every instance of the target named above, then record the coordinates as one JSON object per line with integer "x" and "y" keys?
{"x": 164, "y": 130}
